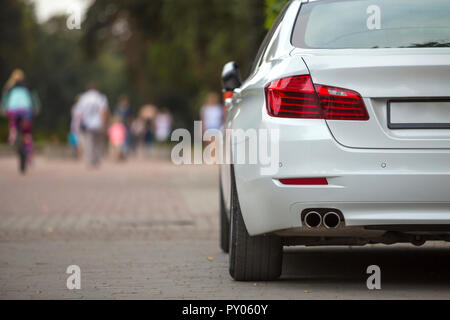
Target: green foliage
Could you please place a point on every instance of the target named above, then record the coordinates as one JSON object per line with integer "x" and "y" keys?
{"x": 16, "y": 44}
{"x": 55, "y": 64}
{"x": 16, "y": 37}
{"x": 165, "y": 52}
{"x": 177, "y": 48}
{"x": 273, "y": 9}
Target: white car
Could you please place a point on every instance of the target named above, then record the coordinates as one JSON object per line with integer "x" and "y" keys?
{"x": 360, "y": 93}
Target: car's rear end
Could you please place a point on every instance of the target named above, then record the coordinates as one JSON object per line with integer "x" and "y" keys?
{"x": 364, "y": 124}
{"x": 360, "y": 93}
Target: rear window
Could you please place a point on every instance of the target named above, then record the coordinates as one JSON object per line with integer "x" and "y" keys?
{"x": 347, "y": 24}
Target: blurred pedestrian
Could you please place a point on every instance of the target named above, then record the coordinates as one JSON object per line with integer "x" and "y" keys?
{"x": 163, "y": 125}
{"x": 117, "y": 138}
{"x": 211, "y": 112}
{"x": 137, "y": 132}
{"x": 74, "y": 134}
{"x": 123, "y": 109}
{"x": 20, "y": 104}
{"x": 92, "y": 109}
{"x": 148, "y": 114}
{"x": 211, "y": 116}
{"x": 149, "y": 136}
{"x": 123, "y": 113}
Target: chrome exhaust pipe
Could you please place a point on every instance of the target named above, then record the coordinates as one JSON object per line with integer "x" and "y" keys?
{"x": 332, "y": 220}
{"x": 313, "y": 220}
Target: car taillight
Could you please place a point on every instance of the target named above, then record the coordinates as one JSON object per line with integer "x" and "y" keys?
{"x": 341, "y": 104}
{"x": 293, "y": 97}
{"x": 298, "y": 97}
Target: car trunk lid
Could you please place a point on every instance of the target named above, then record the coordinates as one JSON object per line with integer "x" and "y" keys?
{"x": 406, "y": 92}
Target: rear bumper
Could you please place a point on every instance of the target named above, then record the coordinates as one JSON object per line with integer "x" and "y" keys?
{"x": 370, "y": 187}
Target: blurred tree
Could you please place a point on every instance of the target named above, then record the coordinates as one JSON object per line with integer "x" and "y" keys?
{"x": 62, "y": 71}
{"x": 175, "y": 49}
{"x": 16, "y": 44}
{"x": 16, "y": 37}
{"x": 273, "y": 9}
{"x": 165, "y": 52}
{"x": 55, "y": 64}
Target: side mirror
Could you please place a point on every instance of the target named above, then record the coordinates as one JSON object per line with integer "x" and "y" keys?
{"x": 231, "y": 76}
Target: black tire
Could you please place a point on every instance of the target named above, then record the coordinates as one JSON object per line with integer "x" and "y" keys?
{"x": 251, "y": 258}
{"x": 224, "y": 225}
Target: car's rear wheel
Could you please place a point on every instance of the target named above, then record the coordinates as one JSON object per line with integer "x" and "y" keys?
{"x": 224, "y": 225}
{"x": 251, "y": 258}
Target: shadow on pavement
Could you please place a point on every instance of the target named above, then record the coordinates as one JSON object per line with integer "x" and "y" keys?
{"x": 399, "y": 265}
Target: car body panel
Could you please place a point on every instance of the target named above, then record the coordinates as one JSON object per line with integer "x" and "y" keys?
{"x": 377, "y": 176}
{"x": 370, "y": 187}
{"x": 381, "y": 76}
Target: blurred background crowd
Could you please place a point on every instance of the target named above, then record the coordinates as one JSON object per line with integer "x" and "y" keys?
{"x": 156, "y": 65}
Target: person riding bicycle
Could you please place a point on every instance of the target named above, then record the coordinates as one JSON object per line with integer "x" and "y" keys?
{"x": 20, "y": 104}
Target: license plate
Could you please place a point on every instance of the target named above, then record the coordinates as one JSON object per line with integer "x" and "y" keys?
{"x": 422, "y": 114}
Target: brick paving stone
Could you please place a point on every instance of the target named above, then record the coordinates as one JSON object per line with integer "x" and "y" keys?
{"x": 145, "y": 230}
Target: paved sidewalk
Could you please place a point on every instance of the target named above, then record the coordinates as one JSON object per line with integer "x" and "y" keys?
{"x": 148, "y": 230}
